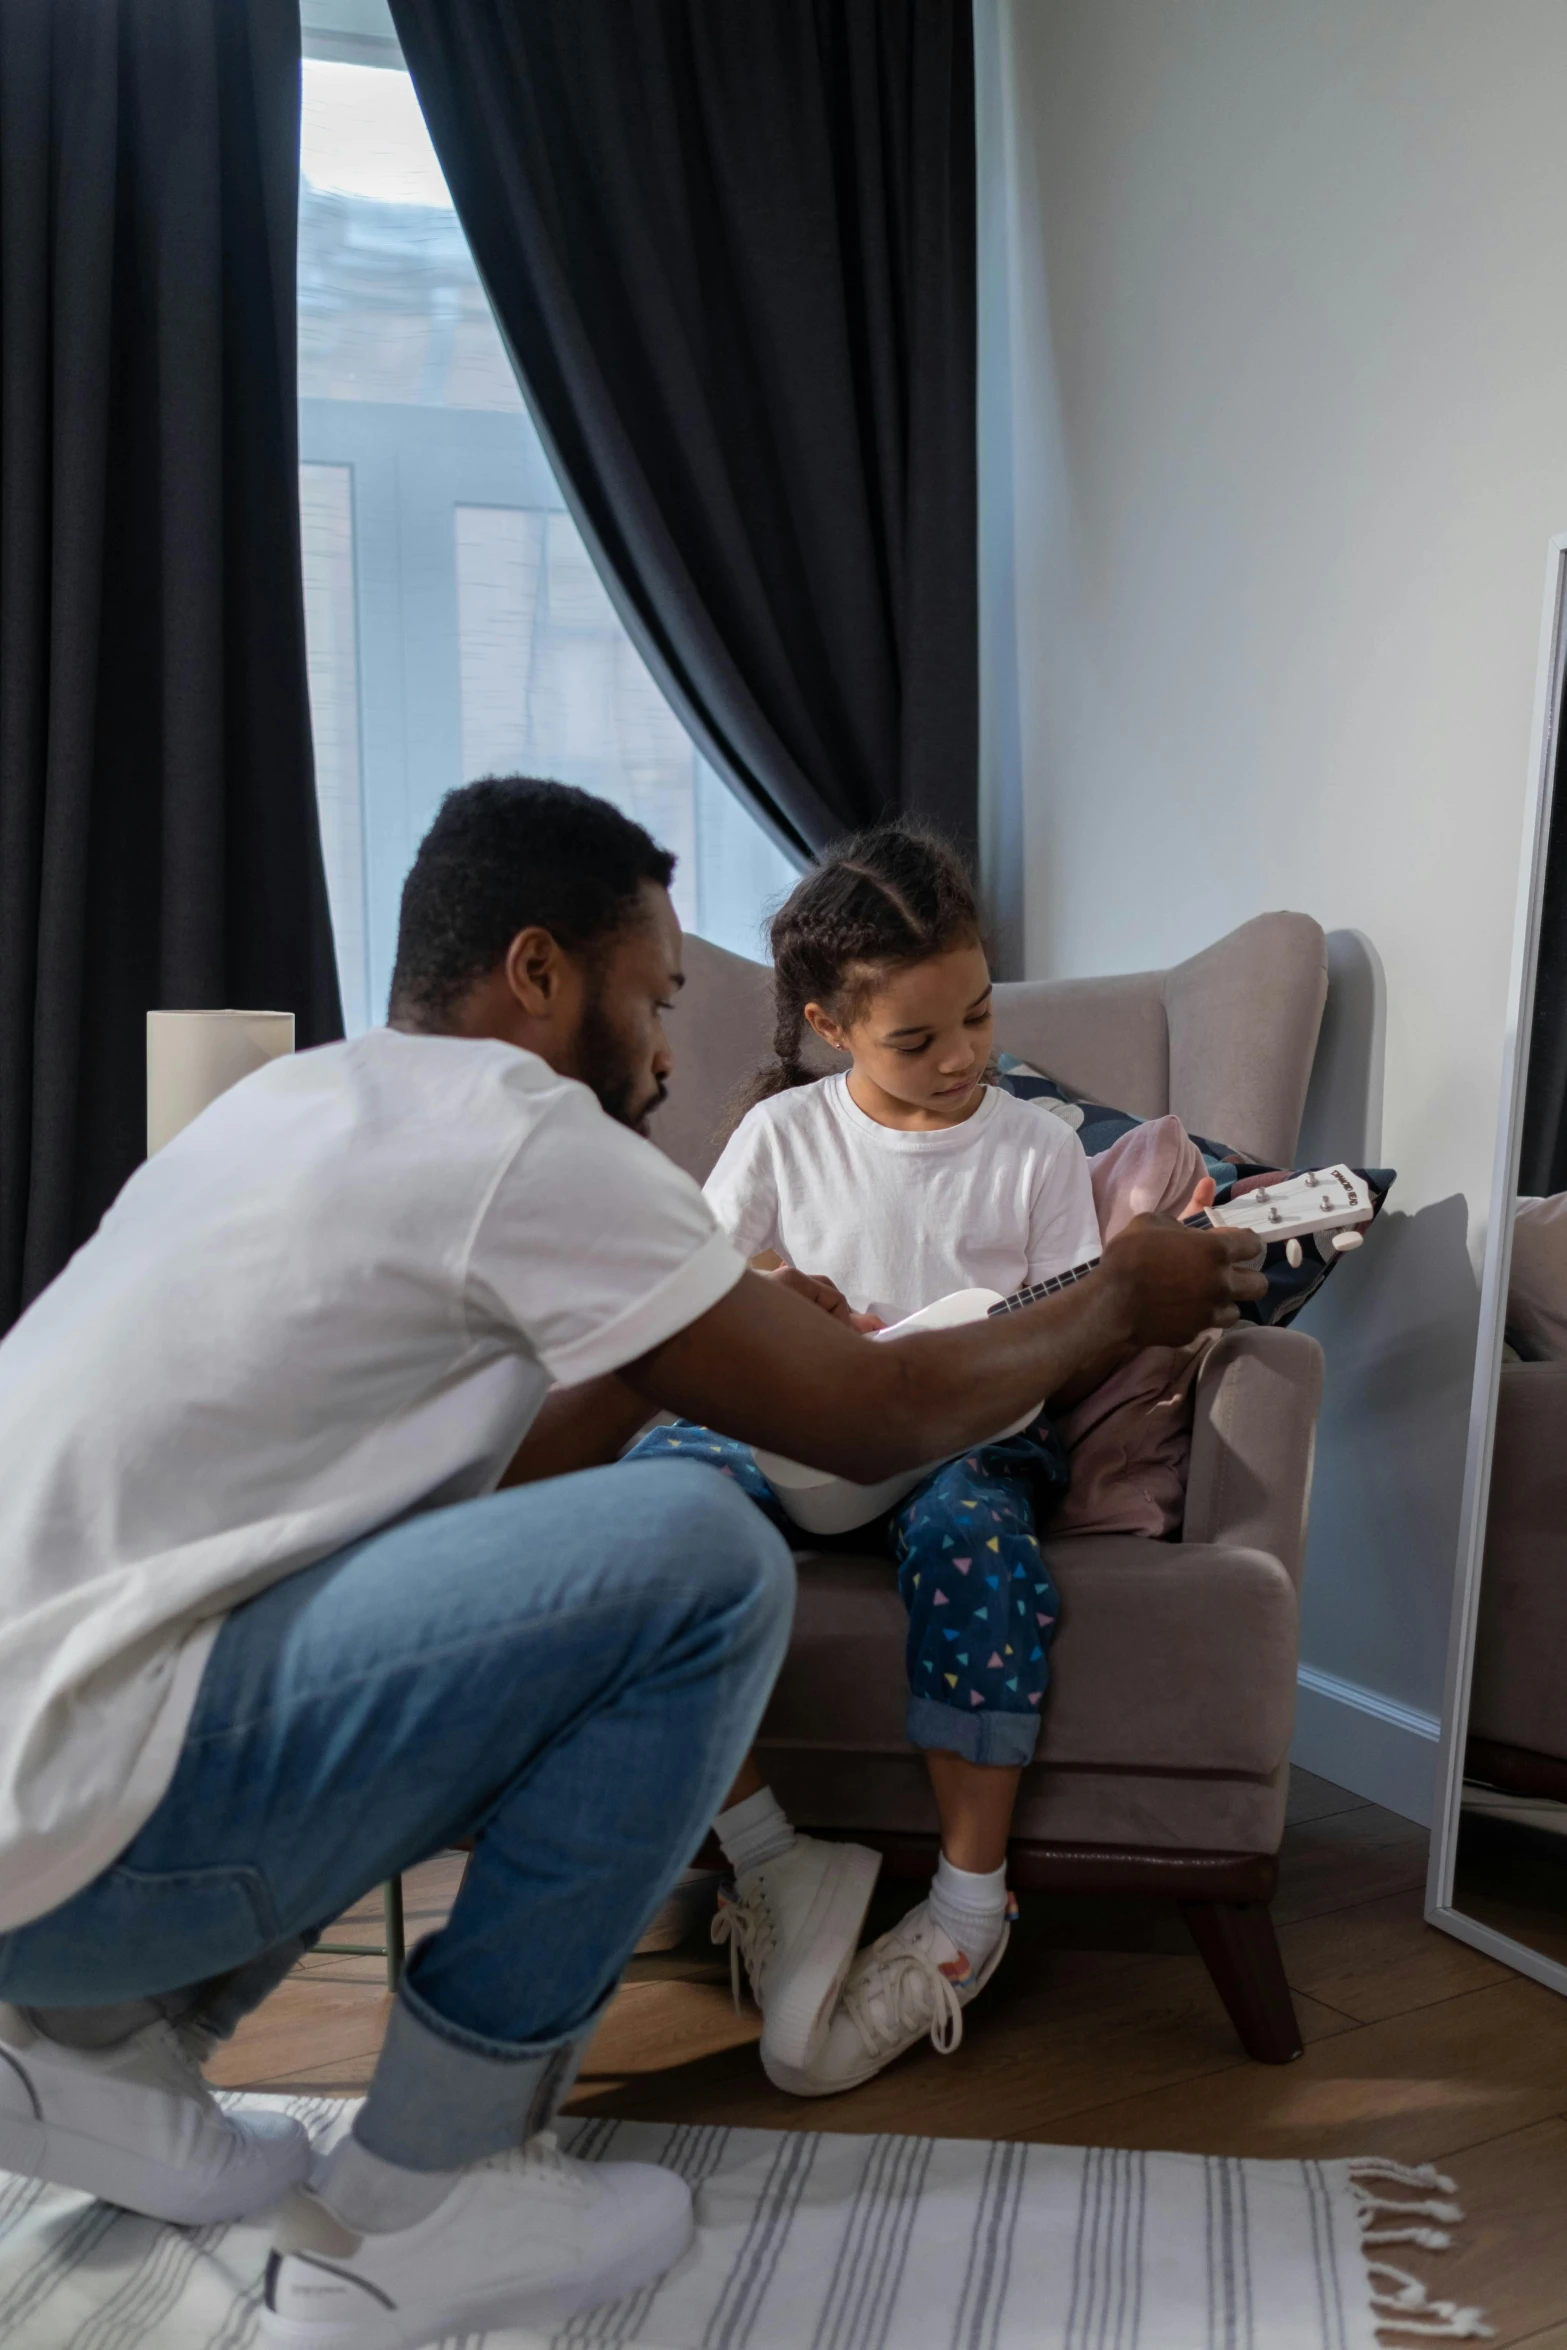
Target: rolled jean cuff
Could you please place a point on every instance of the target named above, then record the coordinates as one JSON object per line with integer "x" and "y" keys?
{"x": 984, "y": 1736}
{"x": 442, "y": 2097}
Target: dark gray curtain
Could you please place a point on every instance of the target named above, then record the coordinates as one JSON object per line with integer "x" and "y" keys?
{"x": 731, "y": 244}
{"x": 158, "y": 835}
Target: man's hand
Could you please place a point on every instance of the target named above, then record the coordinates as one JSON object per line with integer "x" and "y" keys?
{"x": 1171, "y": 1283}
{"x": 818, "y": 1291}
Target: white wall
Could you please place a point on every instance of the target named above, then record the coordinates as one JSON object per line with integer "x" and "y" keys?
{"x": 1278, "y": 289}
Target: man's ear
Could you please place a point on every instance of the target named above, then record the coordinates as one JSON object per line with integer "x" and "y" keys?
{"x": 827, "y": 1028}
{"x": 536, "y": 971}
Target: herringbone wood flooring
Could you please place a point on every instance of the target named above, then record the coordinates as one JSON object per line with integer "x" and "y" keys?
{"x": 1102, "y": 2028}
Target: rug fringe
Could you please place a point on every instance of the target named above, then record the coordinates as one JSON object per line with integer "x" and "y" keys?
{"x": 1377, "y": 2166}
{"x": 1429, "y": 2239}
{"x": 1411, "y": 2310}
{"x": 1366, "y": 2201}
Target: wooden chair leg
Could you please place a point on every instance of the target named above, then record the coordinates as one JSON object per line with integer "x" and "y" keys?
{"x": 392, "y": 1897}
{"x": 1241, "y": 1951}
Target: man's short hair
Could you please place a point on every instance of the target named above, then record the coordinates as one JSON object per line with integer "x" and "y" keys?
{"x": 502, "y": 855}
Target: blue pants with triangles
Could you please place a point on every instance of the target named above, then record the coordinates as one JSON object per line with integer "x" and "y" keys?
{"x": 982, "y": 1606}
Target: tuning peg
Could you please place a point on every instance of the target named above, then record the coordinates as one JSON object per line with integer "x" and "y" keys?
{"x": 1293, "y": 1253}
{"x": 1345, "y": 1241}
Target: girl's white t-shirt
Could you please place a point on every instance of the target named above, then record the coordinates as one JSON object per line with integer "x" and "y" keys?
{"x": 897, "y": 1219}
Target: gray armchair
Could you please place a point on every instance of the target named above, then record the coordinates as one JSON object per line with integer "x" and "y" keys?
{"x": 1162, "y": 1765}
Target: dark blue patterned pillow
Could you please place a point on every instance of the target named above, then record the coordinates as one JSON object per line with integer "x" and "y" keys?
{"x": 1097, "y": 1127}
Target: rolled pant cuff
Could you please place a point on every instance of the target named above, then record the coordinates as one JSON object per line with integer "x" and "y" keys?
{"x": 442, "y": 2097}
{"x": 1005, "y": 1740}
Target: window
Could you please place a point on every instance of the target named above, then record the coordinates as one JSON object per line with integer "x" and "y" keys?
{"x": 455, "y": 622}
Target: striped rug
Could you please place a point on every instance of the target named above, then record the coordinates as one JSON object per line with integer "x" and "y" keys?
{"x": 811, "y": 2241}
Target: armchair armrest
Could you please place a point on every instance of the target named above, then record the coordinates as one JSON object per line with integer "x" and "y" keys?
{"x": 1254, "y": 1434}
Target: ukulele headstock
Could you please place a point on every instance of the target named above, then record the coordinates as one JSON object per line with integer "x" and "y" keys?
{"x": 1328, "y": 1200}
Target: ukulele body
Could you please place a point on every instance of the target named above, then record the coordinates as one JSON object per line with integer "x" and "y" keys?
{"x": 820, "y": 1502}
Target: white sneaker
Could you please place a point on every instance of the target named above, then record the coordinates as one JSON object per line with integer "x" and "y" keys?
{"x": 911, "y": 1983}
{"x": 137, "y": 2125}
{"x": 796, "y": 1922}
{"x": 527, "y": 2238}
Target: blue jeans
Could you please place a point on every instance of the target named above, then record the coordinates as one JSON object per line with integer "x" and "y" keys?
{"x": 569, "y": 1673}
{"x": 982, "y": 1604}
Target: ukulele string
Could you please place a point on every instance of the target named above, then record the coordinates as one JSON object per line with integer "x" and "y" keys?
{"x": 1201, "y": 1221}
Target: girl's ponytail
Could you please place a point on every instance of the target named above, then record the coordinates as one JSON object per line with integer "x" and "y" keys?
{"x": 889, "y": 897}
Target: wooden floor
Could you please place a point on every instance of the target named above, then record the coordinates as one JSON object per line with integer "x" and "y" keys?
{"x": 1102, "y": 2029}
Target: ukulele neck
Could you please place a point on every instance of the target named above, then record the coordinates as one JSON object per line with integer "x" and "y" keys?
{"x": 1038, "y": 1289}
{"x": 1059, "y": 1281}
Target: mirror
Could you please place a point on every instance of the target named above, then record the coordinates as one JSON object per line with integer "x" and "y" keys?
{"x": 1499, "y": 1857}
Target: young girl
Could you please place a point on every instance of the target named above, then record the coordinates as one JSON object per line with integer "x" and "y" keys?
{"x": 898, "y": 1180}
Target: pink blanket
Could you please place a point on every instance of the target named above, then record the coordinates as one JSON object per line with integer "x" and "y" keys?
{"x": 1130, "y": 1440}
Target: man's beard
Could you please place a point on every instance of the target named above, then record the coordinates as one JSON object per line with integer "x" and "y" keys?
{"x": 605, "y": 1066}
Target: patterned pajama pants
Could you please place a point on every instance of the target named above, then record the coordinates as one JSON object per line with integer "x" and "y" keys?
{"x": 982, "y": 1607}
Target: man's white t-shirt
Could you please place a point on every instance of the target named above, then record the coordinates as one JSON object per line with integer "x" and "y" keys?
{"x": 338, "y": 1297}
{"x": 896, "y": 1219}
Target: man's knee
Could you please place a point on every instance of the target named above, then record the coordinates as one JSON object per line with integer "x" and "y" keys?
{"x": 739, "y": 1561}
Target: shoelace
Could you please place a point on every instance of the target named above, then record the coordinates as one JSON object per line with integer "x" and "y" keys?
{"x": 542, "y": 2152}
{"x": 890, "y": 1997}
{"x": 539, "y": 2154}
{"x": 189, "y": 2051}
{"x": 746, "y": 1922}
{"x": 197, "y": 2036}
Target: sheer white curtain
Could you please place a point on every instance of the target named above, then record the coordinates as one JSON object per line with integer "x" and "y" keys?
{"x": 456, "y": 623}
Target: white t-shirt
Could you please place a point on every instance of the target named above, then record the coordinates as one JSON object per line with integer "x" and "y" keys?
{"x": 898, "y": 1220}
{"x": 336, "y": 1298}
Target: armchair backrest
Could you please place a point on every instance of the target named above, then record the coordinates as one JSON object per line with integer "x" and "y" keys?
{"x": 1225, "y": 1039}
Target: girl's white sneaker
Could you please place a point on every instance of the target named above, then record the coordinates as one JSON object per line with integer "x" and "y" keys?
{"x": 526, "y": 2239}
{"x": 912, "y": 1984}
{"x": 137, "y": 2125}
{"x": 796, "y": 1921}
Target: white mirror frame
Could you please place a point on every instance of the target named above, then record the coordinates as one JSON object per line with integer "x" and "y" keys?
{"x": 1549, "y": 680}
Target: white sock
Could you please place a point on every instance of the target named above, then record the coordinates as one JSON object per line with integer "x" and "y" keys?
{"x": 970, "y": 1907}
{"x": 373, "y": 2197}
{"x": 754, "y": 1831}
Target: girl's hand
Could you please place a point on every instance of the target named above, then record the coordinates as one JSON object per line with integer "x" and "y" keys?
{"x": 826, "y": 1294}
{"x": 1201, "y": 1198}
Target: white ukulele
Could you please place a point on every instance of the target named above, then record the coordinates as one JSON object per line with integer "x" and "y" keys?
{"x": 1328, "y": 1203}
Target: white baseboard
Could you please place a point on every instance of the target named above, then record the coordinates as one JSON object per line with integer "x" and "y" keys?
{"x": 1368, "y": 1743}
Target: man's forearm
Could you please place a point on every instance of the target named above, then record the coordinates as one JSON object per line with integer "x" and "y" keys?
{"x": 583, "y": 1427}
{"x": 766, "y": 1367}
{"x": 962, "y": 1385}
{"x": 800, "y": 1384}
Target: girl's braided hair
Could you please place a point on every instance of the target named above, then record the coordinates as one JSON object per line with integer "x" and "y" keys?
{"x": 888, "y": 898}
